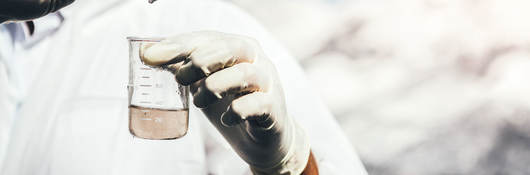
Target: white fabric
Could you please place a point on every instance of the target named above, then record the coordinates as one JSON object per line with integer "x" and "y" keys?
{"x": 73, "y": 119}
{"x": 7, "y": 100}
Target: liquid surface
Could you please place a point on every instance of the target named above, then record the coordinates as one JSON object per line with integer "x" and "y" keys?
{"x": 157, "y": 124}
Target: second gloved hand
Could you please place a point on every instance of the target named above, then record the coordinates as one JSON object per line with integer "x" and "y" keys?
{"x": 238, "y": 89}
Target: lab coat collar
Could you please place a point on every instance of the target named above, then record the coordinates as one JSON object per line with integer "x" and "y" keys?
{"x": 44, "y": 27}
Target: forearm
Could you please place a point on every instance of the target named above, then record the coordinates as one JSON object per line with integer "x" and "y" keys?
{"x": 311, "y": 168}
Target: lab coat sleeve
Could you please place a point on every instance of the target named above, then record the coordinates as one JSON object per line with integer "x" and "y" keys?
{"x": 333, "y": 152}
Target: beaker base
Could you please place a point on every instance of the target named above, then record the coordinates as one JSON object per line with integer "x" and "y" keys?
{"x": 157, "y": 124}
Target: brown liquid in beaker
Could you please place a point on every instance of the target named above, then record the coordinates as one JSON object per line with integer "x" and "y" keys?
{"x": 157, "y": 124}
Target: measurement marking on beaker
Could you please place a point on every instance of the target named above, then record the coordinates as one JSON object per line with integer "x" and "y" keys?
{"x": 145, "y": 93}
{"x": 145, "y": 102}
{"x": 146, "y": 85}
{"x": 145, "y": 68}
{"x": 146, "y": 77}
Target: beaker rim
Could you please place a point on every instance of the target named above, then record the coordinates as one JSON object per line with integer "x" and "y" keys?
{"x": 145, "y": 39}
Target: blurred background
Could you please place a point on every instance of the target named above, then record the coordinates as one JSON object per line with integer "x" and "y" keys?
{"x": 432, "y": 86}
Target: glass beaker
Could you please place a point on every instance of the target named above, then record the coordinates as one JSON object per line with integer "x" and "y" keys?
{"x": 158, "y": 105}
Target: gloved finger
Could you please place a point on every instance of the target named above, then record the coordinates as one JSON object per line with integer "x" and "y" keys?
{"x": 204, "y": 53}
{"x": 254, "y": 107}
{"x": 239, "y": 79}
{"x": 194, "y": 87}
{"x": 188, "y": 73}
{"x": 213, "y": 56}
{"x": 162, "y": 53}
{"x": 173, "y": 49}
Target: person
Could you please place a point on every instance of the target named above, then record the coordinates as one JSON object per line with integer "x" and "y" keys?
{"x": 63, "y": 77}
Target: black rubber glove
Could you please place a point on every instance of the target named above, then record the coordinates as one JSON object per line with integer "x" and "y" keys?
{"x": 17, "y": 10}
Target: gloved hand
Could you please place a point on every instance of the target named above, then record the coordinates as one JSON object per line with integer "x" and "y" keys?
{"x": 15, "y": 10}
{"x": 238, "y": 89}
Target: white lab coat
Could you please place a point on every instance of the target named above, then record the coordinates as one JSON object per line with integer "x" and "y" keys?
{"x": 73, "y": 117}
